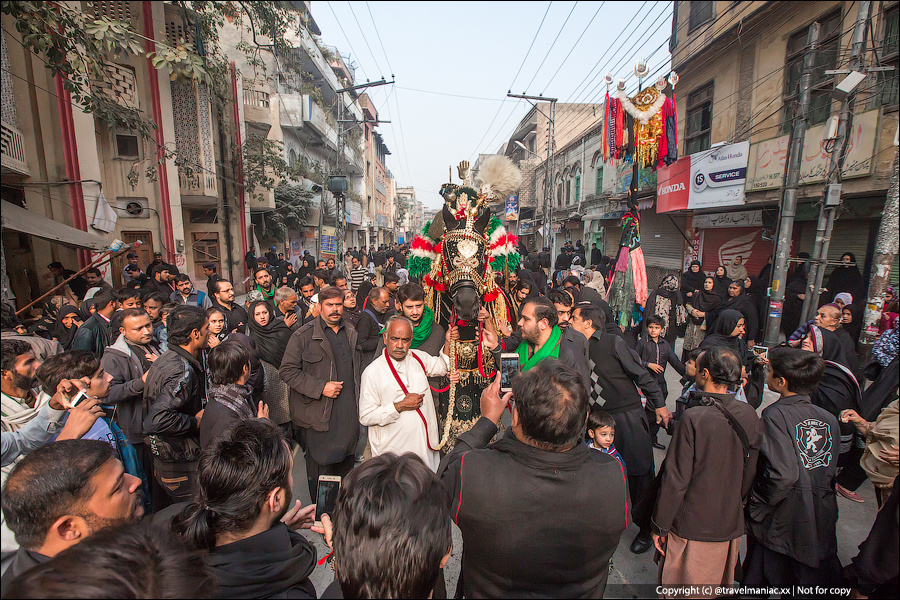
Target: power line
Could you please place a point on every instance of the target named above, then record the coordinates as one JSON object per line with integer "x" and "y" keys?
{"x": 573, "y": 48}
{"x": 500, "y": 108}
{"x": 365, "y": 39}
{"x": 540, "y": 66}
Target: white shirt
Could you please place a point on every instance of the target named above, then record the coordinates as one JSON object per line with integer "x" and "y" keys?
{"x": 400, "y": 432}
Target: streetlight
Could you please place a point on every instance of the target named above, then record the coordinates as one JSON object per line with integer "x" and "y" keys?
{"x": 525, "y": 148}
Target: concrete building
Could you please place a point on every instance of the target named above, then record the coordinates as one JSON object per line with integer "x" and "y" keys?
{"x": 538, "y": 186}
{"x": 739, "y": 67}
{"x": 84, "y": 184}
{"x": 316, "y": 125}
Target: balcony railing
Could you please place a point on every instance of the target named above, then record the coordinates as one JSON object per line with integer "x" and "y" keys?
{"x": 13, "y": 146}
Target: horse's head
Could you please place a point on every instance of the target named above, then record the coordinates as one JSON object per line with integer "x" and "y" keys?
{"x": 466, "y": 300}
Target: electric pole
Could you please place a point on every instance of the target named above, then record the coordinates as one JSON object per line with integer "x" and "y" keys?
{"x": 828, "y": 210}
{"x": 789, "y": 201}
{"x": 340, "y": 198}
{"x": 886, "y": 245}
{"x": 550, "y": 161}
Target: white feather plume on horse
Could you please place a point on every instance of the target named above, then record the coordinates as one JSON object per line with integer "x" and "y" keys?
{"x": 498, "y": 177}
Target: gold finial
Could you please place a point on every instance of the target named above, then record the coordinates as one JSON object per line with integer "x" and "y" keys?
{"x": 463, "y": 170}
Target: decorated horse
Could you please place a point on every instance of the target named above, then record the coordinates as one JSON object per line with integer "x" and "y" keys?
{"x": 455, "y": 257}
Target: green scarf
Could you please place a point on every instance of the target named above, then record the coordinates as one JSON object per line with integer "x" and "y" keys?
{"x": 270, "y": 295}
{"x": 548, "y": 350}
{"x": 422, "y": 331}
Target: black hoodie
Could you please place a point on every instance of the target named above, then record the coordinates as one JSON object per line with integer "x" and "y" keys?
{"x": 273, "y": 564}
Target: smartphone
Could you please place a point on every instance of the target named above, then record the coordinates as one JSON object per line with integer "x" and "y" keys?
{"x": 78, "y": 398}
{"x": 326, "y": 497}
{"x": 509, "y": 368}
{"x": 761, "y": 351}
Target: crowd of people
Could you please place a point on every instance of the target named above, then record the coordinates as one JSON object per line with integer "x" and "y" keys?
{"x": 149, "y": 431}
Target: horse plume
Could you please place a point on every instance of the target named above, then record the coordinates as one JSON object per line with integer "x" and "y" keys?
{"x": 500, "y": 176}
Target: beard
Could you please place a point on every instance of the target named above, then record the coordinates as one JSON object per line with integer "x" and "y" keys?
{"x": 22, "y": 382}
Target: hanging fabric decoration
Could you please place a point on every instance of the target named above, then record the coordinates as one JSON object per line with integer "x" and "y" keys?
{"x": 645, "y": 107}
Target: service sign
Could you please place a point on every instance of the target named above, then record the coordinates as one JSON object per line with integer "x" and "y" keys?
{"x": 708, "y": 179}
{"x": 512, "y": 208}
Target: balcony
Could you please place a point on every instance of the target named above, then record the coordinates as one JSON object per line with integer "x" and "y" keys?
{"x": 13, "y": 145}
{"x": 261, "y": 199}
{"x": 302, "y": 112}
{"x": 257, "y": 111}
{"x": 192, "y": 117}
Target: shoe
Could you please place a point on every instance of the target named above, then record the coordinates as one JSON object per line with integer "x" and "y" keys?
{"x": 852, "y": 496}
{"x": 641, "y": 544}
{"x": 658, "y": 446}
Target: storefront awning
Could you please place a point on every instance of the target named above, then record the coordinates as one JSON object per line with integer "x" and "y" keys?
{"x": 20, "y": 219}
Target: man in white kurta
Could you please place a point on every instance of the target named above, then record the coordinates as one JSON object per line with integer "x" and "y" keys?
{"x": 392, "y": 415}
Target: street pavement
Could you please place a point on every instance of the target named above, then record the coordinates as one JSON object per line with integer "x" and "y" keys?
{"x": 628, "y": 570}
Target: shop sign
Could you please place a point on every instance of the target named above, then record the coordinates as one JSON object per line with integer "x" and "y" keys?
{"x": 707, "y": 179}
{"x": 744, "y": 218}
{"x": 512, "y": 208}
{"x": 526, "y": 227}
{"x": 767, "y": 158}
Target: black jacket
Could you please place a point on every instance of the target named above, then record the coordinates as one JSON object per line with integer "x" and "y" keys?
{"x": 235, "y": 318}
{"x": 174, "y": 392}
{"x": 369, "y": 334}
{"x": 792, "y": 508}
{"x": 94, "y": 335}
{"x": 543, "y": 260}
{"x": 19, "y": 561}
{"x": 616, "y": 372}
{"x": 274, "y": 564}
{"x": 534, "y": 523}
{"x": 126, "y": 390}
{"x": 706, "y": 474}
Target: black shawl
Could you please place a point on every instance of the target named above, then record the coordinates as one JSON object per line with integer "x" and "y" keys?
{"x": 847, "y": 279}
{"x": 706, "y": 302}
{"x": 690, "y": 281}
{"x": 720, "y": 335}
{"x": 64, "y": 336}
{"x": 721, "y": 285}
{"x": 854, "y": 328}
{"x": 271, "y": 339}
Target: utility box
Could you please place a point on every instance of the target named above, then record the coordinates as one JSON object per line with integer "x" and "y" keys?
{"x": 833, "y": 195}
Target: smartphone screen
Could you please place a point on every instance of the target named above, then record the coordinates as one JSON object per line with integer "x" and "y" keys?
{"x": 327, "y": 497}
{"x": 509, "y": 368}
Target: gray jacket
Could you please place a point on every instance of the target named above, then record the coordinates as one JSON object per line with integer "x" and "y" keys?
{"x": 126, "y": 390}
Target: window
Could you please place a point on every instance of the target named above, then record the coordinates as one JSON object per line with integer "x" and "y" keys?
{"x": 700, "y": 13}
{"x": 577, "y": 187}
{"x": 821, "y": 84}
{"x": 598, "y": 183}
{"x": 292, "y": 159}
{"x": 206, "y": 249}
{"x": 128, "y": 146}
{"x": 890, "y": 93}
{"x": 698, "y": 123}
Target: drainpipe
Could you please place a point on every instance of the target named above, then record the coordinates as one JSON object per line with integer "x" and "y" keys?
{"x": 159, "y": 138}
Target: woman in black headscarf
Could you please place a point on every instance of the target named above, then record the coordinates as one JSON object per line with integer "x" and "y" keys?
{"x": 737, "y": 300}
{"x": 755, "y": 290}
{"x": 306, "y": 267}
{"x": 728, "y": 332}
{"x": 794, "y": 293}
{"x": 722, "y": 281}
{"x": 846, "y": 278}
{"x": 851, "y": 321}
{"x": 666, "y": 303}
{"x": 270, "y": 335}
{"x": 838, "y": 390}
{"x": 692, "y": 281}
{"x": 700, "y": 308}
{"x": 67, "y": 321}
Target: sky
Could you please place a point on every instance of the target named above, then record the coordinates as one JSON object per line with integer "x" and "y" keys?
{"x": 454, "y": 62}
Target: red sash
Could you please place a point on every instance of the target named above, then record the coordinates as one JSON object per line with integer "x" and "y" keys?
{"x": 406, "y": 391}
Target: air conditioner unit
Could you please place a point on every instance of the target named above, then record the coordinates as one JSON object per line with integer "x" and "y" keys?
{"x": 133, "y": 208}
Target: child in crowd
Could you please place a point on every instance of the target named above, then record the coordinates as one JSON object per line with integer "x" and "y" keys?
{"x": 230, "y": 396}
{"x": 601, "y": 431}
{"x": 655, "y": 353}
{"x": 792, "y": 511}
{"x": 163, "y": 331}
{"x": 682, "y": 403}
